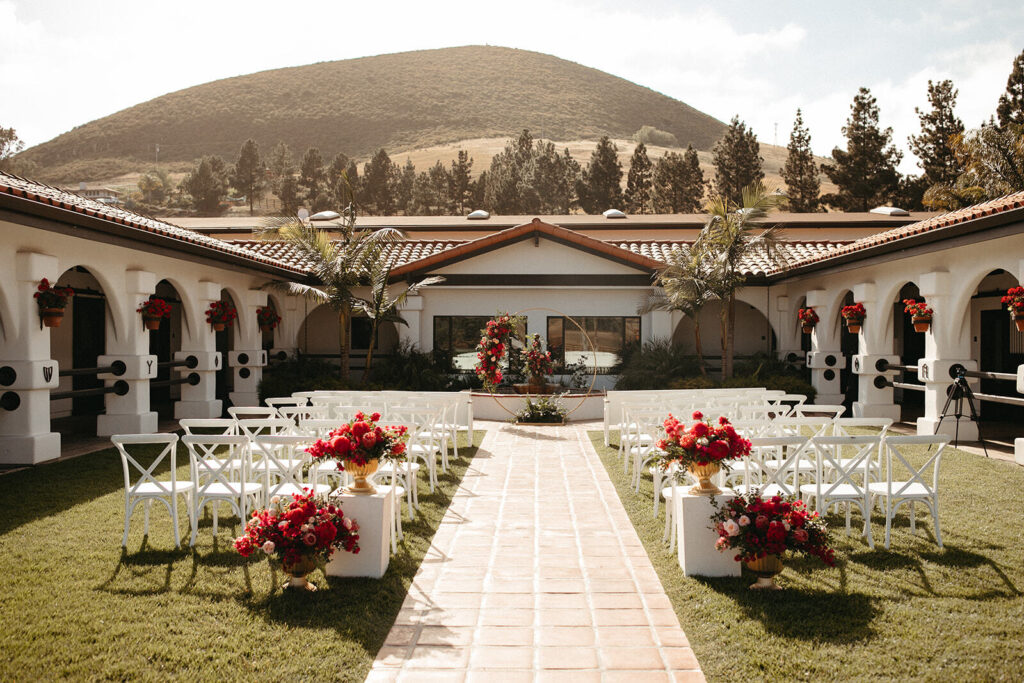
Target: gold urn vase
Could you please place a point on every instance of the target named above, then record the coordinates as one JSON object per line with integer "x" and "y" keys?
{"x": 298, "y": 571}
{"x": 361, "y": 487}
{"x": 703, "y": 474}
{"x": 765, "y": 569}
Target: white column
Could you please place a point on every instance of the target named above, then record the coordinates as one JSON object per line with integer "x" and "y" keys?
{"x": 412, "y": 311}
{"x": 199, "y": 347}
{"x": 824, "y": 359}
{"x": 876, "y": 342}
{"x": 27, "y": 373}
{"x": 247, "y": 362}
{"x": 788, "y": 330}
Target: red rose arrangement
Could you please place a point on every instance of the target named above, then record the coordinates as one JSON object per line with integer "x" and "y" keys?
{"x": 1014, "y": 300}
{"x": 491, "y": 349}
{"x": 537, "y": 361}
{"x": 267, "y": 317}
{"x": 918, "y": 309}
{"x": 293, "y": 530}
{"x": 702, "y": 443}
{"x": 855, "y": 313}
{"x": 360, "y": 441}
{"x": 154, "y": 308}
{"x": 756, "y": 527}
{"x": 52, "y": 297}
{"x": 807, "y": 317}
{"x": 221, "y": 313}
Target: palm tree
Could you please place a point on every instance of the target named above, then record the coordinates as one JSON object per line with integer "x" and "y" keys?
{"x": 339, "y": 264}
{"x": 380, "y": 307}
{"x": 732, "y": 236}
{"x": 683, "y": 285}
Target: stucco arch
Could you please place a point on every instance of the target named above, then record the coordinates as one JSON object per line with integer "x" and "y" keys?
{"x": 8, "y": 321}
{"x": 960, "y": 299}
{"x": 835, "y": 306}
{"x": 117, "y": 301}
{"x": 238, "y": 301}
{"x": 189, "y": 321}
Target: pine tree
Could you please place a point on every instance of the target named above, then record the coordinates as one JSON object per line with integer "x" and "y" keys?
{"x": 380, "y": 178}
{"x": 602, "y": 180}
{"x": 865, "y": 172}
{"x": 509, "y": 188}
{"x": 939, "y": 127}
{"x": 312, "y": 177}
{"x": 338, "y": 183}
{"x": 404, "y": 188}
{"x": 639, "y": 181}
{"x": 281, "y": 165}
{"x": 678, "y": 182}
{"x": 1011, "y": 103}
{"x": 207, "y": 184}
{"x": 250, "y": 173}
{"x": 800, "y": 171}
{"x": 554, "y": 178}
{"x": 288, "y": 193}
{"x": 459, "y": 192}
{"x": 737, "y": 159}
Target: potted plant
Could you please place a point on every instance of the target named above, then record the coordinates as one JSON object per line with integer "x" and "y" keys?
{"x": 359, "y": 446}
{"x": 762, "y": 529}
{"x": 545, "y": 410}
{"x": 1014, "y": 301}
{"x": 52, "y": 301}
{"x": 808, "y": 319}
{"x": 267, "y": 318}
{"x": 301, "y": 533}
{"x": 220, "y": 315}
{"x": 854, "y": 316}
{"x": 153, "y": 310}
{"x": 702, "y": 449}
{"x": 920, "y": 314}
{"x": 537, "y": 365}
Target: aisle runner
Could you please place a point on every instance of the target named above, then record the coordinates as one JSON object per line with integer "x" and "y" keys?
{"x": 536, "y": 573}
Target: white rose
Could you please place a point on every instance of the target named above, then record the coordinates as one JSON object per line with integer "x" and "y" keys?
{"x": 268, "y": 547}
{"x": 731, "y": 527}
{"x": 744, "y": 520}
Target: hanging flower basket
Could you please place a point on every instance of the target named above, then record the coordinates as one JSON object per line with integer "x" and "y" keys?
{"x": 52, "y": 301}
{"x": 221, "y": 315}
{"x": 1014, "y": 301}
{"x": 153, "y": 310}
{"x": 921, "y": 314}
{"x": 854, "y": 316}
{"x": 808, "y": 319}
{"x": 267, "y": 319}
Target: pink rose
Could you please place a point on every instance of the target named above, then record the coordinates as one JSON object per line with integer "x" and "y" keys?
{"x": 309, "y": 539}
{"x": 744, "y": 520}
{"x": 268, "y": 547}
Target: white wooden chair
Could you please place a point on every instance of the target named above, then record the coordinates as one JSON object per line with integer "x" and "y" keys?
{"x": 849, "y": 484}
{"x": 252, "y": 412}
{"x": 216, "y": 480}
{"x": 280, "y": 460}
{"x": 141, "y": 484}
{"x": 776, "y": 464}
{"x": 907, "y": 483}
{"x": 830, "y": 410}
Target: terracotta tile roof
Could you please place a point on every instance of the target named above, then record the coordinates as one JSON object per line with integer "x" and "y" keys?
{"x": 398, "y": 253}
{"x": 935, "y": 223}
{"x": 45, "y": 194}
{"x": 792, "y": 253}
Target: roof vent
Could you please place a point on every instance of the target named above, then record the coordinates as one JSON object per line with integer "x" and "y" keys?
{"x": 890, "y": 211}
{"x": 325, "y": 216}
{"x": 478, "y": 215}
{"x": 613, "y": 213}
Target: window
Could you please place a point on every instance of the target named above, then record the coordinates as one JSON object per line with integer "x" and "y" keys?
{"x": 457, "y": 336}
{"x": 361, "y": 328}
{"x": 609, "y": 334}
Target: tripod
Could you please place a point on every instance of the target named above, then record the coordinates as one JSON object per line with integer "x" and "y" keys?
{"x": 958, "y": 391}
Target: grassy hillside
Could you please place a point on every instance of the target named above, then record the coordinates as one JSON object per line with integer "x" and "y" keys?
{"x": 399, "y": 101}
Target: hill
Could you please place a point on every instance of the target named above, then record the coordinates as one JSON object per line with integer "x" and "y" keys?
{"x": 398, "y": 101}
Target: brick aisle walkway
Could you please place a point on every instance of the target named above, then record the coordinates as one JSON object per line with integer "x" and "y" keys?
{"x": 527, "y": 582}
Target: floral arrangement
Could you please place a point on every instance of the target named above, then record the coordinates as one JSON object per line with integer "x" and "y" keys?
{"x": 1014, "y": 300}
{"x": 807, "y": 317}
{"x": 293, "y": 530}
{"x": 855, "y": 313}
{"x": 52, "y": 297}
{"x": 755, "y": 527}
{"x": 221, "y": 312}
{"x": 918, "y": 309}
{"x": 360, "y": 441}
{"x": 701, "y": 444}
{"x": 546, "y": 410}
{"x": 267, "y": 317}
{"x": 491, "y": 349}
{"x": 537, "y": 361}
{"x": 154, "y": 308}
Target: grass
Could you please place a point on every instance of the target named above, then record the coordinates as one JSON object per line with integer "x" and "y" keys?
{"x": 912, "y": 612}
{"x": 76, "y": 606}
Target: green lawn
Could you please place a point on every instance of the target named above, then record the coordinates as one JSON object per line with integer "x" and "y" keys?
{"x": 74, "y": 606}
{"x": 912, "y": 612}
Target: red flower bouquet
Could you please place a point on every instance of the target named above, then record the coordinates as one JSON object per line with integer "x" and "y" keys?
{"x": 1014, "y": 300}
{"x": 918, "y": 309}
{"x": 52, "y": 297}
{"x": 154, "y": 308}
{"x": 756, "y": 527}
{"x": 855, "y": 313}
{"x": 537, "y": 362}
{"x": 807, "y": 317}
{"x": 359, "y": 446}
{"x": 299, "y": 533}
{"x": 221, "y": 314}
{"x": 491, "y": 349}
{"x": 702, "y": 449}
{"x": 267, "y": 318}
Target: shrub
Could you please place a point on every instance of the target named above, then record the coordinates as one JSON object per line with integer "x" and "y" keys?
{"x": 654, "y": 365}
{"x": 409, "y": 369}
{"x": 693, "y": 383}
{"x": 301, "y": 373}
{"x": 546, "y": 409}
{"x": 649, "y": 135}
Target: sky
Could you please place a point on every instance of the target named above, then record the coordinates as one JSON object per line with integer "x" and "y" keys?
{"x": 66, "y": 62}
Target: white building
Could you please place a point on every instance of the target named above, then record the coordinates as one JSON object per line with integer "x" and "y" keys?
{"x": 592, "y": 270}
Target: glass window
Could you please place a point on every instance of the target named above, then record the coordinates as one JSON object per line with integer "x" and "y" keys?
{"x": 608, "y": 334}
{"x": 361, "y": 329}
{"x": 458, "y": 336}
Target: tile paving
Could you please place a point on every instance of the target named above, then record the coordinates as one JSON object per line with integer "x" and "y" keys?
{"x": 536, "y": 574}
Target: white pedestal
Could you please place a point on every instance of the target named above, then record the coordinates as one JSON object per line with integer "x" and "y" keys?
{"x": 697, "y": 553}
{"x": 373, "y": 514}
{"x": 1018, "y": 451}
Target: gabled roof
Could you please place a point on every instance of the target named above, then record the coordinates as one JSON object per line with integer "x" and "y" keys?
{"x": 534, "y": 228}
{"x": 791, "y": 253}
{"x": 29, "y": 195}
